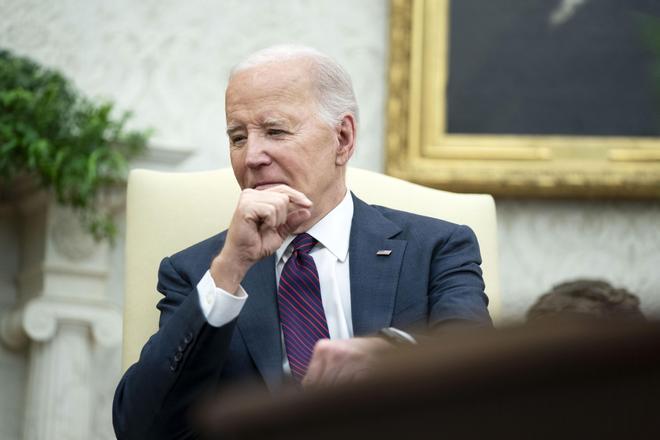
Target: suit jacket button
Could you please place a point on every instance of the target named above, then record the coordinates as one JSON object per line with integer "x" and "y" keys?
{"x": 188, "y": 338}
{"x": 173, "y": 367}
{"x": 178, "y": 356}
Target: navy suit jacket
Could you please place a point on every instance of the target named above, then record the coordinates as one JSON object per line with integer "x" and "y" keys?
{"x": 432, "y": 275}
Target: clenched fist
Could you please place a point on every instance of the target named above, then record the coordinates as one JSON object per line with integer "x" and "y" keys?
{"x": 343, "y": 360}
{"x": 261, "y": 222}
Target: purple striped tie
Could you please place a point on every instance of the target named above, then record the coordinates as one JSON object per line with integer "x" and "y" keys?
{"x": 299, "y": 302}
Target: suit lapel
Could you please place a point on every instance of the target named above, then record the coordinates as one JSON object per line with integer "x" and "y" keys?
{"x": 374, "y": 278}
{"x": 259, "y": 321}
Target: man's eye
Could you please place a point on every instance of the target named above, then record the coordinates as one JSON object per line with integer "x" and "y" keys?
{"x": 237, "y": 140}
{"x": 276, "y": 132}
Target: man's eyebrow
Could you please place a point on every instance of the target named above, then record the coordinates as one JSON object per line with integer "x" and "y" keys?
{"x": 269, "y": 122}
{"x": 233, "y": 128}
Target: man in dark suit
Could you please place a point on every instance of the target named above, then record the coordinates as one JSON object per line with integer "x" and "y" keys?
{"x": 324, "y": 271}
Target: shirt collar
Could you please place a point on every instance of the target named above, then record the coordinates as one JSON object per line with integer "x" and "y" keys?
{"x": 333, "y": 231}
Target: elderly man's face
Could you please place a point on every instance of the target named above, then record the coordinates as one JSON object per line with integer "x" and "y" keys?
{"x": 276, "y": 137}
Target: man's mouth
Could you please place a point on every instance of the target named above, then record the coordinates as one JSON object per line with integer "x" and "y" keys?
{"x": 265, "y": 185}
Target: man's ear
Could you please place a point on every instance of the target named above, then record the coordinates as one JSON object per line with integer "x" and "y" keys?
{"x": 346, "y": 132}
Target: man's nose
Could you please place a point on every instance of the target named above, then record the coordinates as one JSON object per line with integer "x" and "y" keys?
{"x": 256, "y": 155}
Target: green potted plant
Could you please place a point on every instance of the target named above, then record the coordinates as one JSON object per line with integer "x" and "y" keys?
{"x": 68, "y": 144}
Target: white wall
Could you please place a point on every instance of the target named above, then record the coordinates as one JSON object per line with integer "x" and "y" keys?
{"x": 168, "y": 60}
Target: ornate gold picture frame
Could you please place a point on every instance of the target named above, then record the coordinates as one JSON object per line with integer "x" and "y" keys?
{"x": 419, "y": 148}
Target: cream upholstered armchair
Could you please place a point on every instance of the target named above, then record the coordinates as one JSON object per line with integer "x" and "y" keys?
{"x": 157, "y": 226}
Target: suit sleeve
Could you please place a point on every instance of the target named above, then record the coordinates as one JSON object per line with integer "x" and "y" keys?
{"x": 456, "y": 286}
{"x": 179, "y": 363}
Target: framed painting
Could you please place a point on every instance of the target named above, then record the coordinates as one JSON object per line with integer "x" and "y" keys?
{"x": 526, "y": 97}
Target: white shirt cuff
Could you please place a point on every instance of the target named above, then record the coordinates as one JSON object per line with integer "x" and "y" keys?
{"x": 219, "y": 306}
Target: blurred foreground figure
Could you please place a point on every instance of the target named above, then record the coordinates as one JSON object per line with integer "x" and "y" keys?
{"x": 586, "y": 299}
{"x": 535, "y": 381}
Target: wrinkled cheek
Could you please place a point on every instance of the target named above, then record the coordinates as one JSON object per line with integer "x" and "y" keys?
{"x": 238, "y": 165}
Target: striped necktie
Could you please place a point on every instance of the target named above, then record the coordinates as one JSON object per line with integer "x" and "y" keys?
{"x": 300, "y": 306}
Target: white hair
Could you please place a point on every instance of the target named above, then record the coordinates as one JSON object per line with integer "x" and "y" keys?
{"x": 334, "y": 88}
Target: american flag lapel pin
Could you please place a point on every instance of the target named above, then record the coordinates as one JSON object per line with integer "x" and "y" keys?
{"x": 384, "y": 252}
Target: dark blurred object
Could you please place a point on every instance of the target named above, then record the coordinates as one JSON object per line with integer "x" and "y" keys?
{"x": 586, "y": 299}
{"x": 537, "y": 381}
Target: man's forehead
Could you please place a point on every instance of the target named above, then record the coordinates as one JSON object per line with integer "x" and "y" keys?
{"x": 277, "y": 76}
{"x": 272, "y": 93}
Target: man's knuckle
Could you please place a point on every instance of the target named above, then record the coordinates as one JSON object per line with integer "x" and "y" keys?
{"x": 322, "y": 346}
{"x": 337, "y": 357}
